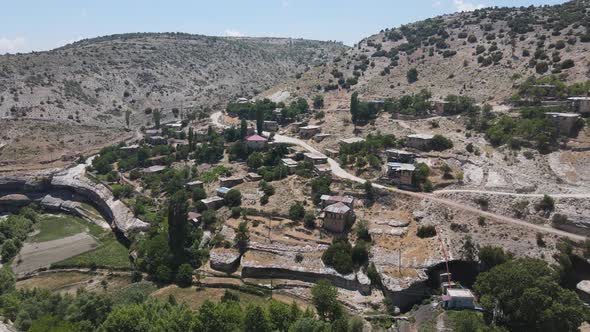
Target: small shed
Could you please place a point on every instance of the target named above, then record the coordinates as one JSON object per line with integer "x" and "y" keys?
{"x": 580, "y": 104}
{"x": 222, "y": 191}
{"x": 350, "y": 141}
{"x": 400, "y": 156}
{"x": 458, "y": 298}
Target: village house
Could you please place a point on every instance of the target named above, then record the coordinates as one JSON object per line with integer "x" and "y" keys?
{"x": 322, "y": 169}
{"x": 400, "y": 156}
{"x": 242, "y": 100}
{"x": 157, "y": 160}
{"x": 213, "y": 202}
{"x": 277, "y": 112}
{"x": 565, "y": 122}
{"x": 174, "y": 125}
{"x": 458, "y": 298}
{"x": 157, "y": 140}
{"x": 351, "y": 141}
{"x": 320, "y": 137}
{"x": 439, "y": 107}
{"x": 230, "y": 181}
{"x": 270, "y": 126}
{"x": 419, "y": 141}
{"x": 194, "y": 218}
{"x": 256, "y": 142}
{"x": 401, "y": 174}
{"x": 129, "y": 150}
{"x": 309, "y": 131}
{"x": 315, "y": 158}
{"x": 222, "y": 191}
{"x": 290, "y": 164}
{"x": 580, "y": 104}
{"x": 177, "y": 143}
{"x": 332, "y": 153}
{"x": 153, "y": 170}
{"x": 193, "y": 185}
{"x": 152, "y": 132}
{"x": 253, "y": 177}
{"x": 333, "y": 199}
{"x": 337, "y": 217}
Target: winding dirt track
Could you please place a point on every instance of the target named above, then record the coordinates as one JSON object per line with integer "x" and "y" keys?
{"x": 216, "y": 119}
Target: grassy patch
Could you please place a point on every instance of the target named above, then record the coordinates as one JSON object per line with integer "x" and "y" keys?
{"x": 53, "y": 227}
{"x": 194, "y": 297}
{"x": 109, "y": 254}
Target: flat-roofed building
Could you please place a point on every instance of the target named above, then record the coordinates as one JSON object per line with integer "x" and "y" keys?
{"x": 130, "y": 149}
{"x": 153, "y": 170}
{"x": 400, "y": 156}
{"x": 290, "y": 164}
{"x": 222, "y": 191}
{"x": 309, "y": 131}
{"x": 350, "y": 141}
{"x": 400, "y": 173}
{"x": 193, "y": 185}
{"x": 565, "y": 122}
{"x": 157, "y": 140}
{"x": 458, "y": 298}
{"x": 315, "y": 158}
{"x": 580, "y": 104}
{"x": 419, "y": 141}
{"x": 270, "y": 125}
{"x": 213, "y": 202}
{"x": 230, "y": 181}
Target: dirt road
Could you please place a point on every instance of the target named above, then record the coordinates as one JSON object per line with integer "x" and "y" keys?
{"x": 503, "y": 193}
{"x": 34, "y": 256}
{"x": 338, "y": 171}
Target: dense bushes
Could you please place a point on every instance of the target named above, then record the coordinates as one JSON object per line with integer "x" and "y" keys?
{"x": 426, "y": 231}
{"x": 344, "y": 258}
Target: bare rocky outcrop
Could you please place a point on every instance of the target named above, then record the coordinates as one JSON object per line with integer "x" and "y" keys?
{"x": 62, "y": 191}
{"x": 224, "y": 260}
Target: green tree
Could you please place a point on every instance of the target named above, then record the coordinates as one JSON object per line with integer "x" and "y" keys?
{"x": 256, "y": 320}
{"x": 259, "y": 121}
{"x": 524, "y": 295}
{"x": 318, "y": 101}
{"x": 198, "y": 194}
{"x": 184, "y": 275}
{"x": 209, "y": 217}
{"x": 491, "y": 256}
{"x": 243, "y": 128}
{"x": 354, "y": 107}
{"x": 412, "y": 75}
{"x": 296, "y": 211}
{"x": 547, "y": 204}
{"x": 255, "y": 160}
{"x": 325, "y": 300}
{"x": 369, "y": 190}
{"x": 280, "y": 316}
{"x": 177, "y": 217}
{"x": 9, "y": 250}
{"x": 7, "y": 280}
{"x": 52, "y": 324}
{"x": 157, "y": 116}
{"x": 242, "y": 236}
{"x": 233, "y": 198}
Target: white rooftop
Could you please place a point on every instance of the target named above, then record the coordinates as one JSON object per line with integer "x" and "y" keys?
{"x": 289, "y": 162}
{"x": 402, "y": 166}
{"x": 310, "y": 127}
{"x": 313, "y": 155}
{"x": 579, "y": 98}
{"x": 421, "y": 136}
{"x": 352, "y": 140}
{"x": 459, "y": 292}
{"x": 563, "y": 115}
{"x": 399, "y": 151}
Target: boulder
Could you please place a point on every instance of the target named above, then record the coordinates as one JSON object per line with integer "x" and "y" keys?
{"x": 224, "y": 260}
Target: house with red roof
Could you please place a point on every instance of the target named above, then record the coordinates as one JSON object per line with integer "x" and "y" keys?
{"x": 256, "y": 142}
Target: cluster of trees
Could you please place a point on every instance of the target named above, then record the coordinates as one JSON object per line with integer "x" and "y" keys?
{"x": 14, "y": 230}
{"x": 263, "y": 109}
{"x": 131, "y": 309}
{"x": 532, "y": 89}
{"x": 361, "y": 111}
{"x": 415, "y": 104}
{"x": 320, "y": 186}
{"x": 345, "y": 258}
{"x": 366, "y": 152}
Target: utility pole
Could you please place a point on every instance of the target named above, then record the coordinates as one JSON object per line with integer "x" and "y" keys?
{"x": 399, "y": 260}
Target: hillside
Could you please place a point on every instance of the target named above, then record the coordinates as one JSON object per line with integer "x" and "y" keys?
{"x": 97, "y": 81}
{"x": 481, "y": 54}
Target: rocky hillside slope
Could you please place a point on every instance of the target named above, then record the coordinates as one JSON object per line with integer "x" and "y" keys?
{"x": 482, "y": 54}
{"x": 97, "y": 82}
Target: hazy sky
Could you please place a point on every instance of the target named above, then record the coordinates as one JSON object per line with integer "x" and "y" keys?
{"x": 27, "y": 25}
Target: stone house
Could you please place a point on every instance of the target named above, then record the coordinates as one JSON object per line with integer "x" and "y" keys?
{"x": 256, "y": 142}
{"x": 327, "y": 200}
{"x": 337, "y": 217}
{"x": 213, "y": 202}
{"x": 290, "y": 164}
{"x": 193, "y": 185}
{"x": 230, "y": 181}
{"x": 270, "y": 126}
{"x": 401, "y": 174}
{"x": 157, "y": 140}
{"x": 400, "y": 156}
{"x": 580, "y": 104}
{"x": 419, "y": 141}
{"x": 315, "y": 158}
{"x": 458, "y": 298}
{"x": 309, "y": 131}
{"x": 565, "y": 122}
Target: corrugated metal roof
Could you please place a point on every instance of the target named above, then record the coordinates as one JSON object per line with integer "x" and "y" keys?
{"x": 343, "y": 199}
{"x": 401, "y": 166}
{"x": 339, "y": 208}
{"x": 421, "y": 136}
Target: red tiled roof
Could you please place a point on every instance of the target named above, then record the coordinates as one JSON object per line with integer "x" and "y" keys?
{"x": 256, "y": 138}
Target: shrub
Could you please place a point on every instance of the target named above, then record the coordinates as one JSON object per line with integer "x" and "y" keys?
{"x": 566, "y": 64}
{"x": 309, "y": 220}
{"x": 541, "y": 67}
{"x": 426, "y": 231}
{"x": 559, "y": 219}
{"x": 233, "y": 198}
{"x": 412, "y": 75}
{"x": 198, "y": 194}
{"x": 184, "y": 276}
{"x": 360, "y": 254}
{"x": 483, "y": 202}
{"x": 472, "y": 39}
{"x": 236, "y": 211}
{"x": 338, "y": 255}
{"x": 121, "y": 191}
{"x": 296, "y": 211}
{"x": 546, "y": 204}
{"x": 440, "y": 143}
